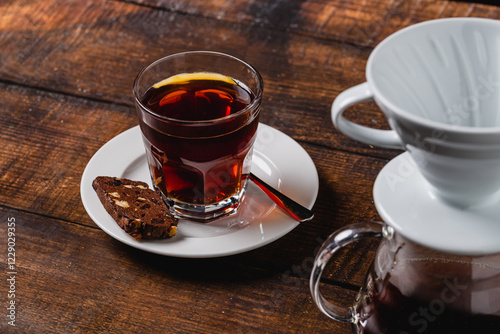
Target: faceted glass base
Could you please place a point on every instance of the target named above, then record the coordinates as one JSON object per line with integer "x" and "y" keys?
{"x": 205, "y": 213}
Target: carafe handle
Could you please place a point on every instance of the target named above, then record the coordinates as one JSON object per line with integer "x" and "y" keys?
{"x": 332, "y": 245}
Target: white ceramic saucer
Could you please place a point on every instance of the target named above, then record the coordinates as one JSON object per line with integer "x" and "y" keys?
{"x": 277, "y": 159}
{"x": 404, "y": 201}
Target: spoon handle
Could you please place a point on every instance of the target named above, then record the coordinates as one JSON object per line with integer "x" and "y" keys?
{"x": 292, "y": 208}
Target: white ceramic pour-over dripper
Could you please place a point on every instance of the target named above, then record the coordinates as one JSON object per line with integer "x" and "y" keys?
{"x": 438, "y": 83}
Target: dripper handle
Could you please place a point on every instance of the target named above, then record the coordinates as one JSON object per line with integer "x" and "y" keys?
{"x": 349, "y": 97}
{"x": 339, "y": 239}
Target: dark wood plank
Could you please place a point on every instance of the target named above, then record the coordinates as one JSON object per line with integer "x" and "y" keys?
{"x": 66, "y": 70}
{"x": 76, "y": 52}
{"x": 72, "y": 279}
{"x": 58, "y": 141}
{"x": 78, "y": 55}
{"x": 49, "y": 138}
{"x": 362, "y": 23}
{"x": 46, "y": 150}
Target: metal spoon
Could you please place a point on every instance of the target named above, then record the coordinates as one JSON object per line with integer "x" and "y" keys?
{"x": 292, "y": 208}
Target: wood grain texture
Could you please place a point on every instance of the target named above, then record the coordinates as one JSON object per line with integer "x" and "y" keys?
{"x": 41, "y": 172}
{"x": 83, "y": 281}
{"x": 96, "y": 51}
{"x": 360, "y": 23}
{"x": 66, "y": 73}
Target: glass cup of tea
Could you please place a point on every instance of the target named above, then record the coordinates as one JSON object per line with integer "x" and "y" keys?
{"x": 199, "y": 112}
{"x": 414, "y": 289}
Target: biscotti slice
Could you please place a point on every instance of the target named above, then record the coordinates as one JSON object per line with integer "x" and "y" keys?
{"x": 137, "y": 209}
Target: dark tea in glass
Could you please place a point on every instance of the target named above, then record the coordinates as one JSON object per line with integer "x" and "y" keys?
{"x": 199, "y": 128}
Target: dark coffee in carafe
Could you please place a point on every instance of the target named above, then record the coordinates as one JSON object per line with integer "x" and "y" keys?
{"x": 431, "y": 294}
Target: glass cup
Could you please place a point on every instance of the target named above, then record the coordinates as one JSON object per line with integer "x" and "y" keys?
{"x": 413, "y": 289}
{"x": 199, "y": 112}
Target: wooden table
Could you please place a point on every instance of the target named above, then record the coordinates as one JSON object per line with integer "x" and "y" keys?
{"x": 66, "y": 72}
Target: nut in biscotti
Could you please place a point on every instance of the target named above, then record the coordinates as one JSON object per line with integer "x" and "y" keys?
{"x": 137, "y": 209}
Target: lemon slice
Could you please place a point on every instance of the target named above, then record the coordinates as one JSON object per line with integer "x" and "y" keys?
{"x": 185, "y": 77}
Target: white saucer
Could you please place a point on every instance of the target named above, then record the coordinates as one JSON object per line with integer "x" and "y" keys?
{"x": 277, "y": 159}
{"x": 403, "y": 200}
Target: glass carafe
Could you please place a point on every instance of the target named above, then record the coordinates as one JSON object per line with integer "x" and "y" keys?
{"x": 413, "y": 289}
